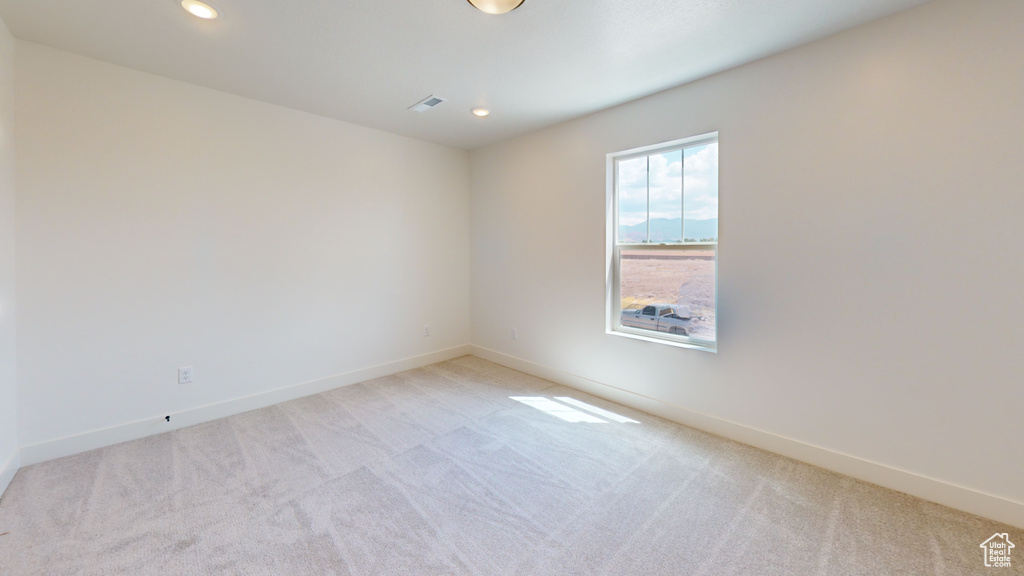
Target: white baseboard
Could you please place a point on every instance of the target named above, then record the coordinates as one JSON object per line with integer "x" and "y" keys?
{"x": 156, "y": 424}
{"x": 932, "y": 489}
{"x": 8, "y": 469}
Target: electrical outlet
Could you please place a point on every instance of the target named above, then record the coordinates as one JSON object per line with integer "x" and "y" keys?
{"x": 426, "y": 330}
{"x": 184, "y": 375}
{"x": 515, "y": 334}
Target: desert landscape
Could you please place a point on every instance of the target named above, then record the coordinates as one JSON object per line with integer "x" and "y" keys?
{"x": 671, "y": 277}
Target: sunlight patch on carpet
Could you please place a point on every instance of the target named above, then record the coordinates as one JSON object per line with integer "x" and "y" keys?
{"x": 558, "y": 410}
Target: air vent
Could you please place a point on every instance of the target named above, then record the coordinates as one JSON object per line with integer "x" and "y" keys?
{"x": 427, "y": 103}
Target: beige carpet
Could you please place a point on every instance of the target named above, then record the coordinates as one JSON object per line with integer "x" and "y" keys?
{"x": 439, "y": 471}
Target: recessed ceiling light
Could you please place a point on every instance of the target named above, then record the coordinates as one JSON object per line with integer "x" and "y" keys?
{"x": 496, "y": 6}
{"x": 481, "y": 112}
{"x": 197, "y": 8}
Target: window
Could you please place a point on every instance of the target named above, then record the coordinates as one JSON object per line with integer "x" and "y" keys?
{"x": 663, "y": 242}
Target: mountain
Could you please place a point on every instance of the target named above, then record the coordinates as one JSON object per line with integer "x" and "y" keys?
{"x": 668, "y": 230}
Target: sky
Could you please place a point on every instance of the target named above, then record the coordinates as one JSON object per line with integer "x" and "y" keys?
{"x": 675, "y": 189}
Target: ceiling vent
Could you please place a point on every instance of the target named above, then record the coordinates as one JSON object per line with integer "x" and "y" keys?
{"x": 427, "y": 103}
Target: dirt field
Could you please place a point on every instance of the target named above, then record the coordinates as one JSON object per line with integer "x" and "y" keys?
{"x": 652, "y": 276}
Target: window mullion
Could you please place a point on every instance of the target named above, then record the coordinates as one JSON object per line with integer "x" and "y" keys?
{"x": 682, "y": 194}
{"x": 648, "y": 199}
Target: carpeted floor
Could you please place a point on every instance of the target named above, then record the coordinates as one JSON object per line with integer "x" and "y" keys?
{"x": 440, "y": 471}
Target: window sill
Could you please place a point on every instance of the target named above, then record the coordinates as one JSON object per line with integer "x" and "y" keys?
{"x": 678, "y": 342}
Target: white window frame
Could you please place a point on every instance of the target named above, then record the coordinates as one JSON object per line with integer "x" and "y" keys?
{"x": 614, "y": 248}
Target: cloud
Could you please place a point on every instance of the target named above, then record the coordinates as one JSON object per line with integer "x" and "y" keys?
{"x": 678, "y": 181}
{"x": 701, "y": 182}
{"x": 632, "y": 176}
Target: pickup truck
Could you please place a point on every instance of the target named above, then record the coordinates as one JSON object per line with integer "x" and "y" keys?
{"x": 659, "y": 317}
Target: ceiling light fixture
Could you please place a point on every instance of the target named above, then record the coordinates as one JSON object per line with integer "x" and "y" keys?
{"x": 481, "y": 112}
{"x": 496, "y": 6}
{"x": 197, "y": 8}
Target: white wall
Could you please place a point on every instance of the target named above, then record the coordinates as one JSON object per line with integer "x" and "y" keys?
{"x": 871, "y": 256}
{"x": 8, "y": 391}
{"x": 162, "y": 224}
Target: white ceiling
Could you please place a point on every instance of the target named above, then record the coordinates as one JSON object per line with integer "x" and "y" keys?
{"x": 366, "y": 61}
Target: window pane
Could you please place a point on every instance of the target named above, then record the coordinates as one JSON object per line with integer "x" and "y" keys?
{"x": 682, "y": 279}
{"x": 700, "y": 185}
{"x": 666, "y": 199}
{"x": 632, "y": 190}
